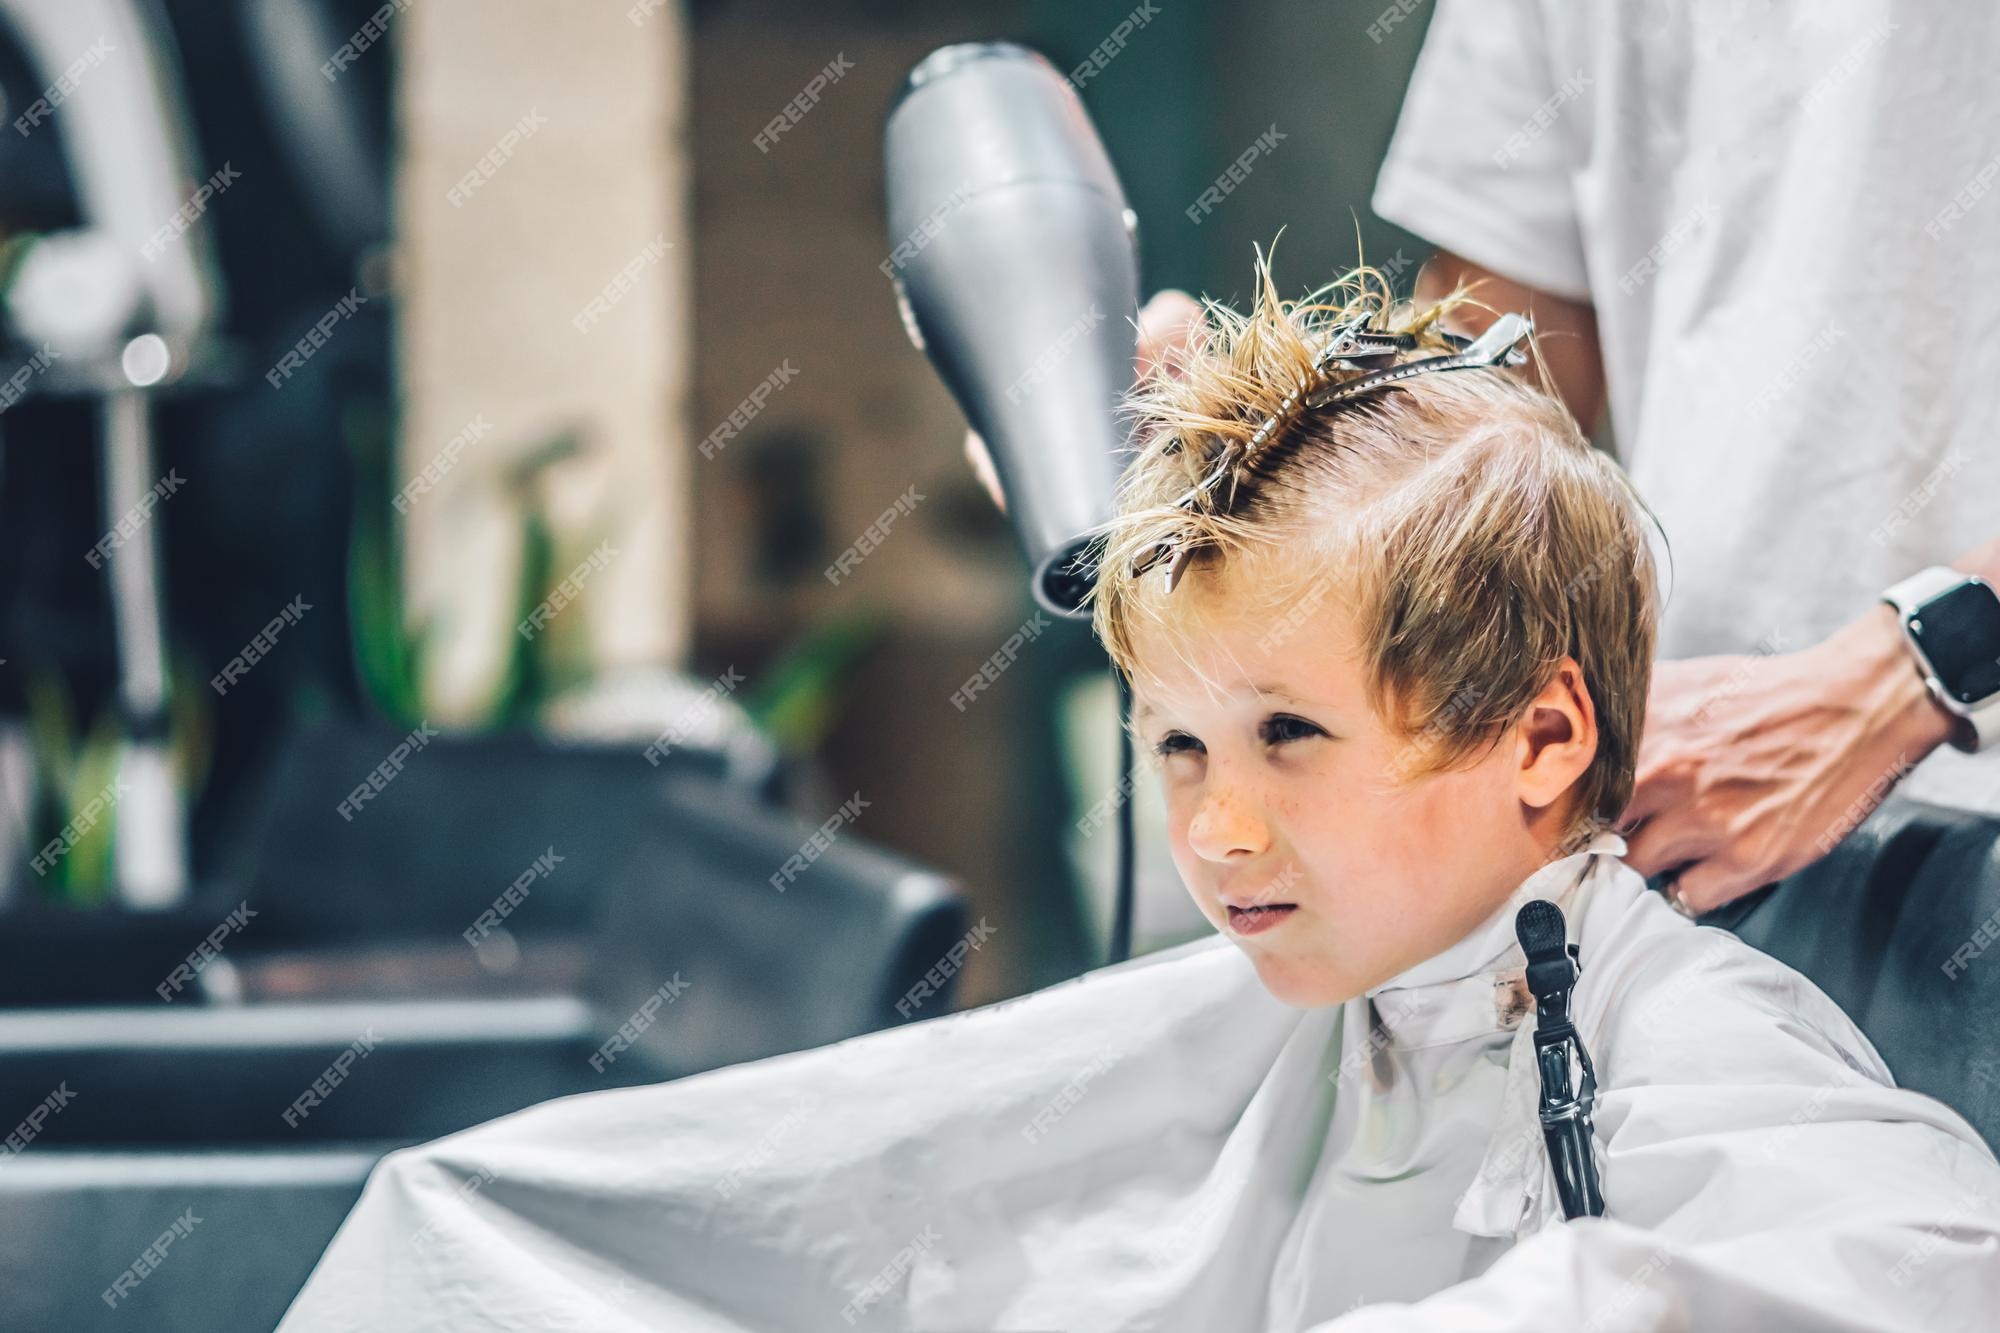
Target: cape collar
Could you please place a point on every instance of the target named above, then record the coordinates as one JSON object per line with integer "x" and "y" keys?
{"x": 1478, "y": 984}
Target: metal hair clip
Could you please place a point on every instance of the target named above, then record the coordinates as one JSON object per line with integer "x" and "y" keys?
{"x": 1353, "y": 346}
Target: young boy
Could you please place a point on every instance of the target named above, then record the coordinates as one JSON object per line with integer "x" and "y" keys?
{"x": 1389, "y": 641}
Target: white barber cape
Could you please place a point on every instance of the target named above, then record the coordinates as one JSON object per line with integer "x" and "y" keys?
{"x": 1161, "y": 1145}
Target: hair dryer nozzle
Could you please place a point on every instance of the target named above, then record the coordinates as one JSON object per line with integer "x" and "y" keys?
{"x": 1013, "y": 254}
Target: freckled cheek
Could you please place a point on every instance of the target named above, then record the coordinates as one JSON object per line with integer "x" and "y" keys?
{"x": 1286, "y": 805}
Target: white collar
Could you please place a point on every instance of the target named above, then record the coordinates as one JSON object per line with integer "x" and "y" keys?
{"x": 1490, "y": 948}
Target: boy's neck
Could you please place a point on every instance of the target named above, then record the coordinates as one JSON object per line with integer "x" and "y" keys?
{"x": 1491, "y": 938}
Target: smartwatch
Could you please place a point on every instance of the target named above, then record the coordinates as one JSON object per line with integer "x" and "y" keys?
{"x": 1951, "y": 621}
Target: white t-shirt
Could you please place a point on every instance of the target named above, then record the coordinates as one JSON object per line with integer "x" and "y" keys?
{"x": 1786, "y": 218}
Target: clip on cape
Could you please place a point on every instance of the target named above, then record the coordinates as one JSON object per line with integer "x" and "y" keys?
{"x": 1565, "y": 1104}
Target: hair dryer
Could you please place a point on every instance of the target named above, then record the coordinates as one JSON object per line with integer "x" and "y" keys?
{"x": 1016, "y": 269}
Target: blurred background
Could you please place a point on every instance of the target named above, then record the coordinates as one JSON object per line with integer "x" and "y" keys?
{"x": 427, "y": 428}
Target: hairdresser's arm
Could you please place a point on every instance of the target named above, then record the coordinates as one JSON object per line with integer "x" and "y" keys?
{"x": 1164, "y": 323}
{"x": 1565, "y": 330}
{"x": 1752, "y": 767}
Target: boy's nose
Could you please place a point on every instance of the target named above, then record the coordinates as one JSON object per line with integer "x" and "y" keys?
{"x": 1227, "y": 823}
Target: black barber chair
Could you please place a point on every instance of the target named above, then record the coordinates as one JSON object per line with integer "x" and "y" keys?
{"x": 1900, "y": 925}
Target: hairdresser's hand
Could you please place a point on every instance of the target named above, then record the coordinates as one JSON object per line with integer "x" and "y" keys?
{"x": 1753, "y": 767}
{"x": 1164, "y": 323}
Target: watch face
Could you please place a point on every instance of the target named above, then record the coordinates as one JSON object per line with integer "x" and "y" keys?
{"x": 1960, "y": 634}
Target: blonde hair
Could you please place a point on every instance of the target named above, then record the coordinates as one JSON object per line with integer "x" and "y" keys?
{"x": 1459, "y": 518}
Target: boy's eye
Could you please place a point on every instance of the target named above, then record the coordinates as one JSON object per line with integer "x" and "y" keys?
{"x": 1280, "y": 729}
{"x": 1276, "y": 731}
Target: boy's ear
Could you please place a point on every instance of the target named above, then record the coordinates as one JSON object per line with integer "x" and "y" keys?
{"x": 1557, "y": 737}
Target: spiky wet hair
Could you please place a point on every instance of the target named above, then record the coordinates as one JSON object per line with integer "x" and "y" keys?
{"x": 1460, "y": 520}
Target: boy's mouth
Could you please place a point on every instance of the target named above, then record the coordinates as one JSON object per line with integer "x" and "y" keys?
{"x": 1251, "y": 920}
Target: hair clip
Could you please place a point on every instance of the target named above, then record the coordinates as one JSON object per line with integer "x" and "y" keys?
{"x": 1353, "y": 346}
